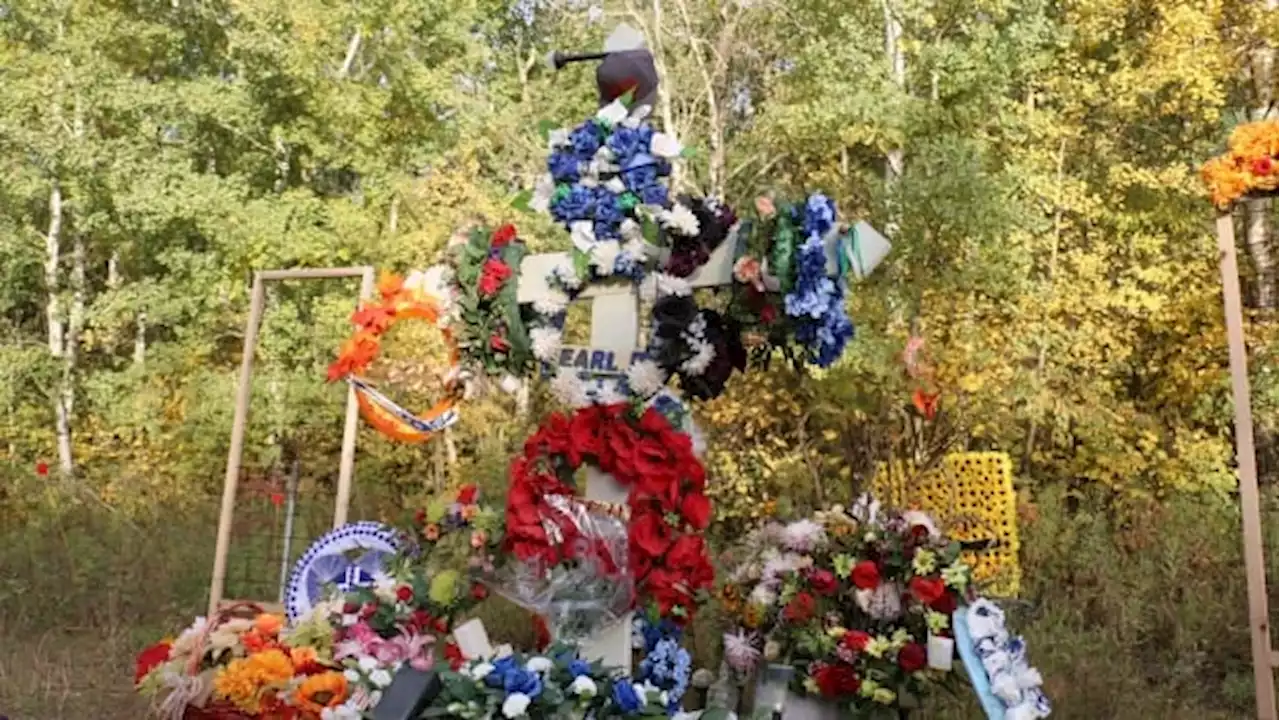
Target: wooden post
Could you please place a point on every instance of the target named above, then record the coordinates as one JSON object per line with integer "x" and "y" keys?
{"x": 342, "y": 501}
{"x": 257, "y": 303}
{"x": 1255, "y": 569}
{"x": 218, "y": 583}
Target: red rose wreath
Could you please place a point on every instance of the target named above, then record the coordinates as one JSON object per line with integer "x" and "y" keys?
{"x": 666, "y": 498}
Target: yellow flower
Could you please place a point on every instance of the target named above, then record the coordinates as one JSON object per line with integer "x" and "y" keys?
{"x": 956, "y": 575}
{"x": 878, "y": 646}
{"x": 242, "y": 681}
{"x": 936, "y": 621}
{"x": 924, "y": 562}
{"x": 884, "y": 696}
{"x": 837, "y": 632}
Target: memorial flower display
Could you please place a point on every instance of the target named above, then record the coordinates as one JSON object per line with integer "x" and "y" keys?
{"x": 490, "y": 334}
{"x": 852, "y": 599}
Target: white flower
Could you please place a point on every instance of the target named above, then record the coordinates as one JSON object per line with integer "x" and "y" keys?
{"x": 566, "y": 276}
{"x": 672, "y": 285}
{"x": 604, "y": 255}
{"x": 553, "y": 303}
{"x": 384, "y": 587}
{"x": 603, "y": 153}
{"x": 637, "y": 248}
{"x": 763, "y": 595}
{"x": 590, "y": 178}
{"x": 510, "y": 384}
{"x": 700, "y": 361}
{"x": 558, "y": 138}
{"x": 583, "y": 686}
{"x": 542, "y": 192}
{"x": 367, "y": 663}
{"x": 631, "y": 230}
{"x": 882, "y": 603}
{"x": 515, "y": 705}
{"x": 380, "y": 678}
{"x": 615, "y": 186}
{"x": 608, "y": 394}
{"x": 568, "y": 388}
{"x": 803, "y": 536}
{"x": 583, "y": 234}
{"x": 546, "y": 343}
{"x": 481, "y": 670}
{"x": 646, "y": 378}
{"x": 680, "y": 219}
{"x": 345, "y": 711}
{"x": 664, "y": 146}
{"x": 613, "y": 113}
{"x": 538, "y": 664}
{"x": 351, "y": 675}
{"x": 642, "y": 691}
{"x": 865, "y": 509}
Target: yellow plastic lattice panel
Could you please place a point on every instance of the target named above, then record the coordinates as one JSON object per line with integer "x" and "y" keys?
{"x": 971, "y": 496}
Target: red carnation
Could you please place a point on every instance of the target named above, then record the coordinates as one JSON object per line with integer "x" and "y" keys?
{"x": 866, "y": 575}
{"x": 911, "y": 657}
{"x": 467, "y": 494}
{"x": 800, "y": 609}
{"x": 823, "y": 582}
{"x": 499, "y": 343}
{"x": 927, "y": 590}
{"x": 856, "y": 640}
{"x": 503, "y": 235}
{"x": 696, "y": 509}
{"x": 404, "y": 593}
{"x": 453, "y": 654}
{"x": 148, "y": 659}
{"x": 479, "y": 591}
{"x": 421, "y": 619}
{"x": 441, "y": 625}
{"x": 492, "y": 275}
{"x": 836, "y": 680}
{"x": 945, "y": 604}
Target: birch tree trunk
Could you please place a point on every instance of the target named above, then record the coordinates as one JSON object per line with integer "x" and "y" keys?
{"x": 898, "y": 74}
{"x": 1260, "y": 213}
{"x": 53, "y": 316}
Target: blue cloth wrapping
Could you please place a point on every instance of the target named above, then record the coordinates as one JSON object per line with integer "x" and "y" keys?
{"x": 973, "y": 665}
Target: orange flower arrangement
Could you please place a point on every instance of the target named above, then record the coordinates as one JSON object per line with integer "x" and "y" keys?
{"x": 246, "y": 682}
{"x": 395, "y": 302}
{"x": 1250, "y": 164}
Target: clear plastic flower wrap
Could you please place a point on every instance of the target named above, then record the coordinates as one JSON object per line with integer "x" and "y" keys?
{"x": 588, "y": 585}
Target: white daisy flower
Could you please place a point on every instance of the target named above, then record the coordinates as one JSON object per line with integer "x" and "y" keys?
{"x": 568, "y": 389}
{"x": 558, "y": 138}
{"x": 542, "y": 192}
{"x": 551, "y": 304}
{"x": 546, "y": 343}
{"x": 680, "y": 219}
{"x": 646, "y": 378}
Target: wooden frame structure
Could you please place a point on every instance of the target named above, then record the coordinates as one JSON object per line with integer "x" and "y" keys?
{"x": 244, "y": 390}
{"x": 1264, "y": 656}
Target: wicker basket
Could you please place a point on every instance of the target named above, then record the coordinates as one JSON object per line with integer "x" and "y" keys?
{"x": 219, "y": 710}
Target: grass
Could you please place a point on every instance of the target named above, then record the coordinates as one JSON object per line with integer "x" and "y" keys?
{"x": 1140, "y": 618}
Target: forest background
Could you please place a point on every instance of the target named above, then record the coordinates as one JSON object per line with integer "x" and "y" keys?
{"x": 1034, "y": 163}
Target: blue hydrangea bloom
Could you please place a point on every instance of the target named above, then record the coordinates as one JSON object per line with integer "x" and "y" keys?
{"x": 816, "y": 302}
{"x": 654, "y": 195}
{"x": 563, "y": 167}
{"x": 628, "y": 143}
{"x": 585, "y": 140}
{"x": 522, "y": 681}
{"x": 577, "y": 205}
{"x": 625, "y": 697}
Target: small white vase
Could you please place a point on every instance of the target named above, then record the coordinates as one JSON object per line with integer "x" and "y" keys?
{"x": 805, "y": 707}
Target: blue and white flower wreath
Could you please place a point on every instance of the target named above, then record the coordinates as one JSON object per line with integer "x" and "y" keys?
{"x": 606, "y": 185}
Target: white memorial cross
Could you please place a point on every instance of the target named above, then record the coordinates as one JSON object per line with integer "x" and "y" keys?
{"x": 615, "y": 334}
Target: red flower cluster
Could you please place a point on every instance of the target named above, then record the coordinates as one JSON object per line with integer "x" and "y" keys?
{"x": 149, "y": 659}
{"x": 835, "y": 680}
{"x": 492, "y": 275}
{"x": 666, "y": 483}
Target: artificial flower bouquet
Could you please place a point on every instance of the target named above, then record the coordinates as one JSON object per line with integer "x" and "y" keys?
{"x": 857, "y": 601}
{"x": 784, "y": 296}
{"x": 242, "y": 664}
{"x": 1249, "y": 167}
{"x": 557, "y": 685}
{"x": 490, "y": 334}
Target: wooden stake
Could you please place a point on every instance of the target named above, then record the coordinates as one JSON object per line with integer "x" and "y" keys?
{"x": 232, "y": 479}
{"x": 1255, "y": 570}
{"x": 346, "y": 465}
